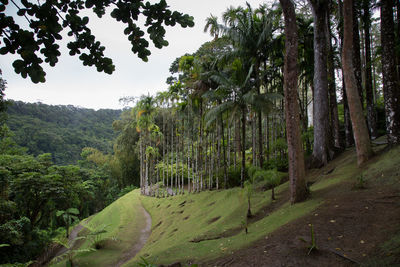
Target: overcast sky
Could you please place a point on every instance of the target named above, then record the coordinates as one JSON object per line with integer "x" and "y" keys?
{"x": 69, "y": 82}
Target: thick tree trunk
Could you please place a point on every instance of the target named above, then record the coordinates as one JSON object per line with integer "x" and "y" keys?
{"x": 369, "y": 95}
{"x": 391, "y": 90}
{"x": 361, "y": 137}
{"x": 349, "y": 140}
{"x": 322, "y": 151}
{"x": 298, "y": 189}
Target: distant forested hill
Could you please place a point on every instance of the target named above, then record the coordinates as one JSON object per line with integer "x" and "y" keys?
{"x": 61, "y": 130}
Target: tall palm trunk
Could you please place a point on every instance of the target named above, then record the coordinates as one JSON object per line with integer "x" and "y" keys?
{"x": 333, "y": 108}
{"x": 224, "y": 154}
{"x": 253, "y": 138}
{"x": 356, "y": 55}
{"x": 391, "y": 90}
{"x": 360, "y": 129}
{"x": 172, "y": 157}
{"x": 322, "y": 152}
{"x": 243, "y": 146}
{"x": 369, "y": 95}
{"x": 349, "y": 140}
{"x": 163, "y": 151}
{"x": 298, "y": 187}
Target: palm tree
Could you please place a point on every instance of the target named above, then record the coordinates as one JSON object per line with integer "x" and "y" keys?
{"x": 212, "y": 26}
{"x": 237, "y": 82}
{"x": 251, "y": 33}
{"x": 145, "y": 122}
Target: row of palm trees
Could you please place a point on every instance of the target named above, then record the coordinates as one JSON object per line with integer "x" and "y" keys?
{"x": 206, "y": 113}
{"x": 193, "y": 136}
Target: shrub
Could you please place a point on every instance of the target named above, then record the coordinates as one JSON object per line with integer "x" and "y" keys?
{"x": 126, "y": 190}
{"x": 278, "y": 163}
{"x": 252, "y": 170}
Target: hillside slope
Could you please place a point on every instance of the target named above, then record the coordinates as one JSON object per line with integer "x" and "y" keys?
{"x": 351, "y": 225}
{"x": 61, "y": 130}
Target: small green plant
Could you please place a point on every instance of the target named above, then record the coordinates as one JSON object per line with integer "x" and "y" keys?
{"x": 245, "y": 224}
{"x": 68, "y": 216}
{"x": 273, "y": 179}
{"x": 360, "y": 183}
{"x": 312, "y": 244}
{"x": 249, "y": 190}
{"x": 71, "y": 253}
{"x": 96, "y": 235}
{"x": 145, "y": 263}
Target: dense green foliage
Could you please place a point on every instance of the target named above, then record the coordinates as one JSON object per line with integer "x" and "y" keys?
{"x": 34, "y": 192}
{"x": 62, "y": 131}
{"x": 37, "y": 41}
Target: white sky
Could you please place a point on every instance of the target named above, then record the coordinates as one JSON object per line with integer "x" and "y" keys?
{"x": 69, "y": 82}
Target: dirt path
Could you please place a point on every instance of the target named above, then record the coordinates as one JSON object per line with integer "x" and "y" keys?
{"x": 56, "y": 250}
{"x": 144, "y": 235}
{"x": 71, "y": 239}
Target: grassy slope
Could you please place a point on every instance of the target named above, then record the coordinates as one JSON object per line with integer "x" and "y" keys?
{"x": 216, "y": 217}
{"x": 123, "y": 222}
{"x": 176, "y": 225}
{"x": 171, "y": 240}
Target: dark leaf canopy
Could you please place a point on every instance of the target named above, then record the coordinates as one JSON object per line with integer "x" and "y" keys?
{"x": 37, "y": 43}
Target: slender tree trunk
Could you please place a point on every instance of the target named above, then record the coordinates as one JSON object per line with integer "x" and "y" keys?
{"x": 253, "y": 138}
{"x": 298, "y": 189}
{"x": 268, "y": 138}
{"x": 322, "y": 151}
{"x": 363, "y": 147}
{"x": 172, "y": 158}
{"x": 333, "y": 108}
{"x": 177, "y": 185}
{"x": 201, "y": 146}
{"x": 398, "y": 37}
{"x": 357, "y": 55}
{"x": 229, "y": 144}
{"x": 243, "y": 146}
{"x": 391, "y": 90}
{"x": 369, "y": 95}
{"x": 224, "y": 154}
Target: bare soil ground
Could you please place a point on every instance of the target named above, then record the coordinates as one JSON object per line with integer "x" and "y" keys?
{"x": 349, "y": 229}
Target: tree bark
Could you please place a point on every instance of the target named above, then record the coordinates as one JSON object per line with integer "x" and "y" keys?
{"x": 363, "y": 146}
{"x": 391, "y": 90}
{"x": 349, "y": 140}
{"x": 243, "y": 146}
{"x": 333, "y": 108}
{"x": 322, "y": 151}
{"x": 357, "y": 55}
{"x": 298, "y": 189}
{"x": 369, "y": 95}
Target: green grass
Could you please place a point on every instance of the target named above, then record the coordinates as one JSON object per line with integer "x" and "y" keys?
{"x": 210, "y": 215}
{"x": 123, "y": 223}
{"x": 385, "y": 169}
{"x": 214, "y": 219}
